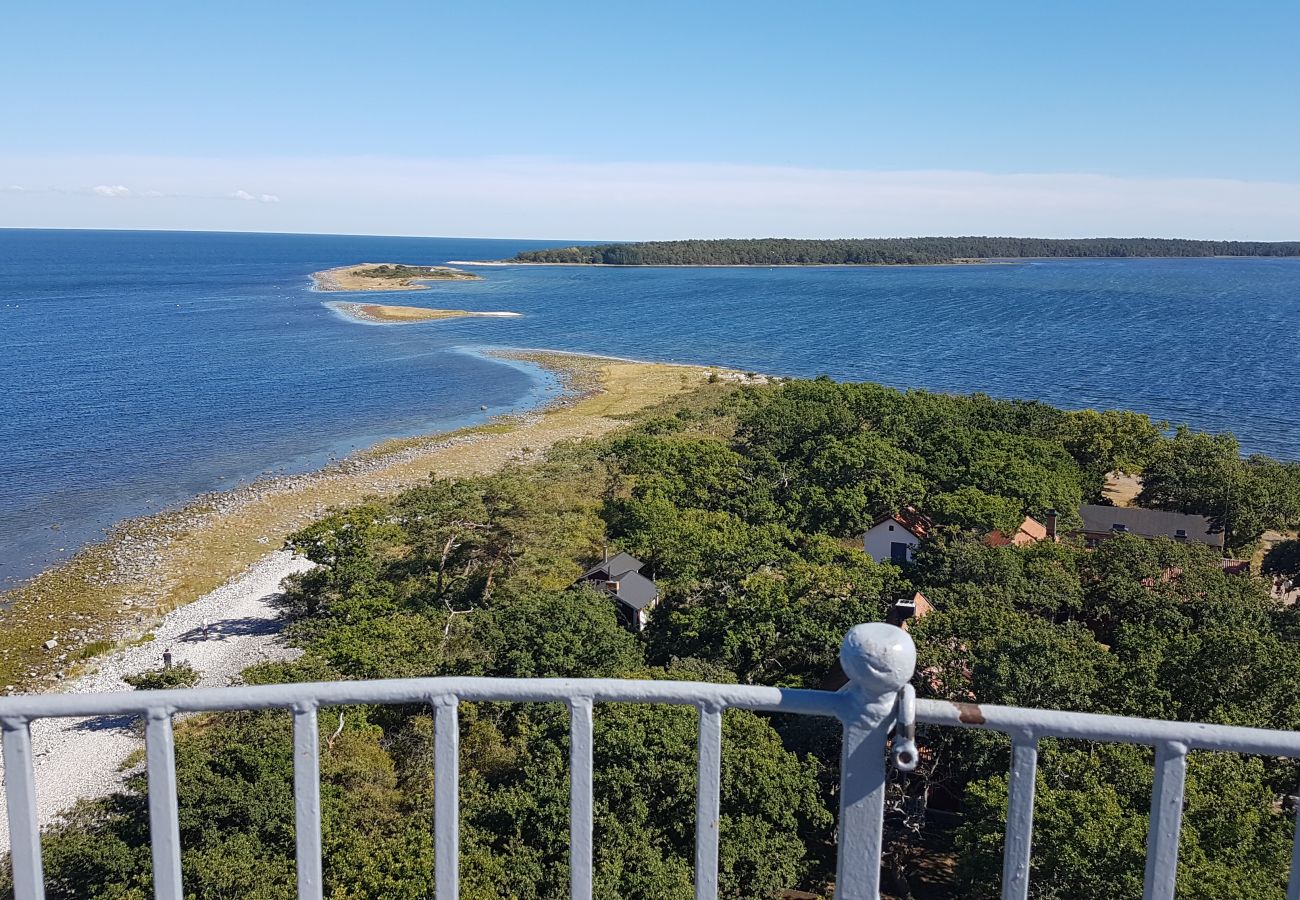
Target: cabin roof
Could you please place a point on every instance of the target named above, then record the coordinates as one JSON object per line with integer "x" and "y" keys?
{"x": 1150, "y": 523}
{"x": 636, "y": 591}
{"x": 623, "y": 569}
{"x": 615, "y": 567}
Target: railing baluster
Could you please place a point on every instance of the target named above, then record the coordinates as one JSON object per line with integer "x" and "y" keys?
{"x": 1166, "y": 821}
{"x": 580, "y": 810}
{"x": 164, "y": 815}
{"x": 446, "y": 799}
{"x": 24, "y": 825}
{"x": 879, "y": 659}
{"x": 708, "y": 803}
{"x": 1293, "y": 882}
{"x": 1020, "y": 818}
{"x": 306, "y": 796}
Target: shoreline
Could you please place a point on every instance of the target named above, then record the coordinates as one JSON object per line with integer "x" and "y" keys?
{"x": 574, "y": 265}
{"x": 974, "y": 261}
{"x": 236, "y": 621}
{"x": 112, "y": 592}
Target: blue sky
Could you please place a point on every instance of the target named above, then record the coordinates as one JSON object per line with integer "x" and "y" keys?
{"x": 657, "y": 120}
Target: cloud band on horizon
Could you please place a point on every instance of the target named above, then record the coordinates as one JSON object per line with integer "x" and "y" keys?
{"x": 561, "y": 199}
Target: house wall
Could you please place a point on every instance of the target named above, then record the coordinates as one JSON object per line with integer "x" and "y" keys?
{"x": 876, "y": 542}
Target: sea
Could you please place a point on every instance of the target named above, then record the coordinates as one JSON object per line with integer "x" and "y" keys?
{"x": 139, "y": 369}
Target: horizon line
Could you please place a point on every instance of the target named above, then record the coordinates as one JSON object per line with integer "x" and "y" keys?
{"x": 770, "y": 237}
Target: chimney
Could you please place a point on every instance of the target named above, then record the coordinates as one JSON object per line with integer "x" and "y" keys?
{"x": 1051, "y": 525}
{"x": 904, "y": 608}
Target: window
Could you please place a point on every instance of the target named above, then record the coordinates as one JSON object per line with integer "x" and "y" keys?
{"x": 1180, "y": 534}
{"x": 1118, "y": 527}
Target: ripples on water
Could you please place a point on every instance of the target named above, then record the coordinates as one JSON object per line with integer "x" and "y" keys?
{"x": 138, "y": 369}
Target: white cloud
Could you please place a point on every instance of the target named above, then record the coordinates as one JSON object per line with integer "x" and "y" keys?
{"x": 251, "y": 198}
{"x": 564, "y": 199}
{"x": 13, "y": 189}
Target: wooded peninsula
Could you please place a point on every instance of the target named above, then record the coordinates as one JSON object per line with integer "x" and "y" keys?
{"x": 889, "y": 251}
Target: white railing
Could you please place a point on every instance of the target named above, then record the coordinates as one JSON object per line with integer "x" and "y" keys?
{"x": 876, "y": 705}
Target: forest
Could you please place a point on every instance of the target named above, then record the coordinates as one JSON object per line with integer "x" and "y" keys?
{"x": 888, "y": 251}
{"x": 745, "y": 503}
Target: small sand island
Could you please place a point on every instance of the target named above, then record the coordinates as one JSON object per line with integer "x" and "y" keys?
{"x": 405, "y": 315}
{"x": 386, "y": 277}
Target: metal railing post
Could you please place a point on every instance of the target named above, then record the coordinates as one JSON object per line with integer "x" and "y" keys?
{"x": 24, "y": 824}
{"x": 446, "y": 798}
{"x": 306, "y": 798}
{"x": 164, "y": 813}
{"x": 878, "y": 659}
{"x": 581, "y": 827}
{"x": 708, "y": 802}
{"x": 1166, "y": 821}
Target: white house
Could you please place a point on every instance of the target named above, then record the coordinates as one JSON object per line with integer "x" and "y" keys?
{"x": 894, "y": 538}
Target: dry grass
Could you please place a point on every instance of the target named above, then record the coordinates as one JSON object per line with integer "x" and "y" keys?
{"x": 187, "y": 553}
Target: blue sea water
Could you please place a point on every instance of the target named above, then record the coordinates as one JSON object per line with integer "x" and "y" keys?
{"x": 138, "y": 369}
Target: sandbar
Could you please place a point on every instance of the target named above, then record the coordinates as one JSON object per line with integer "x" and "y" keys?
{"x": 404, "y": 315}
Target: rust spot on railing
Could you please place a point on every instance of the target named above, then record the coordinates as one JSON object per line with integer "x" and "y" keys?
{"x": 970, "y": 713}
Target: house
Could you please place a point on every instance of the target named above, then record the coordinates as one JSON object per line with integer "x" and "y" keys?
{"x": 1101, "y": 523}
{"x": 1031, "y": 531}
{"x": 620, "y": 577}
{"x": 894, "y": 538}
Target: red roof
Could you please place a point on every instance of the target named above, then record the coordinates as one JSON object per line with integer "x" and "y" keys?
{"x": 910, "y": 519}
{"x": 1030, "y": 531}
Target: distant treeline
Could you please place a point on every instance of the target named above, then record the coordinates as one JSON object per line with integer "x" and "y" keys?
{"x": 889, "y": 251}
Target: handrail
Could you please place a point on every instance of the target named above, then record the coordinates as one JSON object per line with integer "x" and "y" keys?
{"x": 879, "y": 660}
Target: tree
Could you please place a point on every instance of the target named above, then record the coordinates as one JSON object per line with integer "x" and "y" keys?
{"x": 1104, "y": 442}
{"x": 971, "y": 509}
{"x": 1283, "y": 558}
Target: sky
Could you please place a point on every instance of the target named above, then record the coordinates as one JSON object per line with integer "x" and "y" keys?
{"x": 622, "y": 121}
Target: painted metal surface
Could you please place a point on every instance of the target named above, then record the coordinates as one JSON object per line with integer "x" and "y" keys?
{"x": 708, "y": 803}
{"x": 446, "y": 798}
{"x": 20, "y": 787}
{"x": 1166, "y": 821}
{"x": 580, "y": 802}
{"x": 879, "y": 660}
{"x": 306, "y": 796}
{"x": 877, "y": 705}
{"x": 1020, "y": 818}
{"x": 164, "y": 814}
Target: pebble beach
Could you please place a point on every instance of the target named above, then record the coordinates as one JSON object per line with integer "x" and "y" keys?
{"x": 219, "y": 635}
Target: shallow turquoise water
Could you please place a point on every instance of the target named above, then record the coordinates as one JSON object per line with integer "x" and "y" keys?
{"x": 139, "y": 368}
